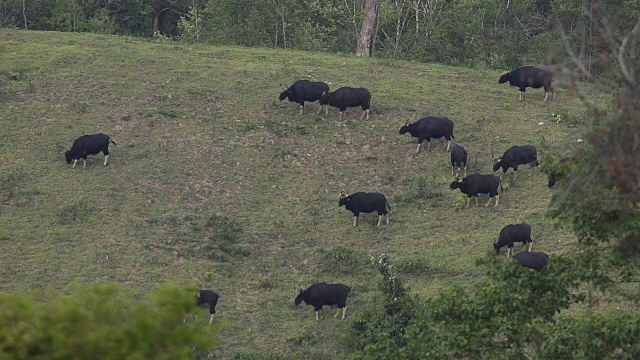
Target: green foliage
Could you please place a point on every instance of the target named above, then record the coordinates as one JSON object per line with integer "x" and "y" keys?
{"x": 106, "y": 320}
{"x": 386, "y": 318}
{"x": 494, "y": 319}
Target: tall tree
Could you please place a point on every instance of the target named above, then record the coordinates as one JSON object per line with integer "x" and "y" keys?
{"x": 366, "y": 40}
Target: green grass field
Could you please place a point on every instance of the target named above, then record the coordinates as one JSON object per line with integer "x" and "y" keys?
{"x": 214, "y": 181}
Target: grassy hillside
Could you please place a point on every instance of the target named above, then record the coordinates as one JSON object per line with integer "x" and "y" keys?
{"x": 215, "y": 181}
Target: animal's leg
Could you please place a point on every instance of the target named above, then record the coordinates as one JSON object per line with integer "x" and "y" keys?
{"x": 429, "y": 145}
{"x": 515, "y": 174}
{"x": 509, "y": 250}
{"x": 477, "y": 200}
{"x": 418, "y": 149}
{"x": 84, "y": 164}
{"x": 468, "y": 202}
{"x": 546, "y": 96}
{"x": 211, "y": 319}
{"x": 106, "y": 160}
{"x": 344, "y": 312}
{"x": 379, "y": 220}
{"x": 465, "y": 170}
{"x": 367, "y": 114}
{"x": 337, "y": 312}
{"x": 521, "y": 95}
{"x": 502, "y": 175}
{"x": 355, "y": 221}
{"x": 488, "y": 202}
{"x": 317, "y": 315}
{"x": 448, "y": 144}
{"x": 319, "y": 109}
{"x": 497, "y": 200}
{"x": 74, "y": 163}
{"x": 301, "y": 109}
{"x": 452, "y": 170}
{"x": 340, "y": 115}
{"x": 326, "y": 109}
{"x": 387, "y": 215}
{"x": 363, "y": 113}
{"x": 530, "y": 244}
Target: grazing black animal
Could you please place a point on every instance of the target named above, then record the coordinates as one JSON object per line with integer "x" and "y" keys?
{"x": 366, "y": 203}
{"x": 529, "y": 76}
{"x": 516, "y": 156}
{"x": 348, "y": 97}
{"x": 553, "y": 177}
{"x": 429, "y": 127}
{"x": 459, "y": 158}
{"x": 320, "y": 294}
{"x": 532, "y": 259}
{"x": 88, "y": 145}
{"x": 511, "y": 234}
{"x": 475, "y": 184}
{"x": 305, "y": 90}
{"x": 207, "y": 297}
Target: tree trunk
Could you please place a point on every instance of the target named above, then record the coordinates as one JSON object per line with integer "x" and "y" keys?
{"x": 367, "y": 34}
{"x": 24, "y": 13}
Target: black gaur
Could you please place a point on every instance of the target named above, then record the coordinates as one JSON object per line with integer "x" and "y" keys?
{"x": 88, "y": 145}
{"x": 321, "y": 294}
{"x": 516, "y": 156}
{"x": 475, "y": 184}
{"x": 206, "y": 297}
{"x": 366, "y": 203}
{"x": 512, "y": 234}
{"x": 459, "y": 159}
{"x": 529, "y": 76}
{"x": 346, "y": 97}
{"x": 305, "y": 90}
{"x": 428, "y": 128}
{"x": 532, "y": 259}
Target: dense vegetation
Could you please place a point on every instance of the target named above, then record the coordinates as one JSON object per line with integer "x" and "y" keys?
{"x": 495, "y": 33}
{"x": 215, "y": 182}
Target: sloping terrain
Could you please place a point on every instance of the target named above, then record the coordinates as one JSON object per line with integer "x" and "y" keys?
{"x": 215, "y": 181}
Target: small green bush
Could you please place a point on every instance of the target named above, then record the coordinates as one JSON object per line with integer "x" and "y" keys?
{"x": 105, "y": 322}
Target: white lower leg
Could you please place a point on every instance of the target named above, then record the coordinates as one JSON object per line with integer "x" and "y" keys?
{"x": 418, "y": 149}
{"x": 106, "y": 160}
{"x": 316, "y": 316}
{"x": 211, "y": 319}
{"x": 84, "y": 163}
{"x": 355, "y": 221}
{"x": 379, "y": 220}
{"x": 344, "y": 312}
{"x": 74, "y": 163}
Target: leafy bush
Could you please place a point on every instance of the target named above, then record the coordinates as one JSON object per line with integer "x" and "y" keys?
{"x": 106, "y": 321}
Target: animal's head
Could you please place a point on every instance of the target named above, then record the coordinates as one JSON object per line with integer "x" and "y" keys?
{"x": 455, "y": 184}
{"x": 344, "y": 199}
{"x": 504, "y": 78}
{"x": 324, "y": 98}
{"x": 300, "y": 296}
{"x": 285, "y": 93}
{"x": 199, "y": 299}
{"x": 405, "y": 128}
{"x": 68, "y": 156}
{"x": 496, "y": 248}
{"x": 497, "y": 162}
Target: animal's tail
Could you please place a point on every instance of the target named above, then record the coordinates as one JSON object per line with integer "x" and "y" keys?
{"x": 453, "y": 137}
{"x": 113, "y": 142}
{"x": 385, "y": 200}
{"x": 348, "y": 289}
